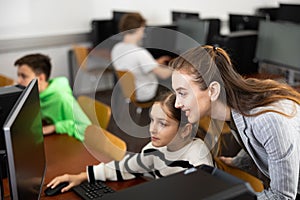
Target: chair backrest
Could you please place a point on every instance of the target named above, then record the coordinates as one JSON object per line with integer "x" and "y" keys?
{"x": 5, "y": 81}
{"x": 81, "y": 53}
{"x": 205, "y": 122}
{"x": 127, "y": 83}
{"x": 98, "y": 112}
{"x": 104, "y": 145}
{"x": 256, "y": 184}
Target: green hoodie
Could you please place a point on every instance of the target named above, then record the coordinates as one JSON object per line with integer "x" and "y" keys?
{"x": 59, "y": 107}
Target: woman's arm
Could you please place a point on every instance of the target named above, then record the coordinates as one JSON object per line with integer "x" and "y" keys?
{"x": 279, "y": 138}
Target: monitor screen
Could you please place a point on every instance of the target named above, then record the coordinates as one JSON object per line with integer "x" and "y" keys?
{"x": 195, "y": 30}
{"x": 276, "y": 44}
{"x": 101, "y": 30}
{"x": 244, "y": 22}
{"x": 8, "y": 97}
{"x": 184, "y": 15}
{"x": 25, "y": 145}
{"x": 159, "y": 40}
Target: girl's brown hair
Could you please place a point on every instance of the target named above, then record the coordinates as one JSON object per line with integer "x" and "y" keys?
{"x": 167, "y": 102}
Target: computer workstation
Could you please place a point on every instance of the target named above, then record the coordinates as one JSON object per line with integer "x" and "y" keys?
{"x": 176, "y": 15}
{"x": 29, "y": 154}
{"x": 238, "y": 22}
{"x": 24, "y": 147}
{"x": 277, "y": 50}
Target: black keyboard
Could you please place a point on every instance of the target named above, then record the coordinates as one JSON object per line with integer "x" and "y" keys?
{"x": 88, "y": 191}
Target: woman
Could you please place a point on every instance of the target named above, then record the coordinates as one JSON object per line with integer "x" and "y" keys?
{"x": 172, "y": 149}
{"x": 264, "y": 115}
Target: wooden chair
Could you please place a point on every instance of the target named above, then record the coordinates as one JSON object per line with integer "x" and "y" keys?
{"x": 98, "y": 112}
{"x": 104, "y": 145}
{"x": 127, "y": 84}
{"x": 255, "y": 183}
{"x": 5, "y": 81}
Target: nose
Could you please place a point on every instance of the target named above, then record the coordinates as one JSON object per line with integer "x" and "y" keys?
{"x": 178, "y": 104}
{"x": 152, "y": 128}
{"x": 19, "y": 80}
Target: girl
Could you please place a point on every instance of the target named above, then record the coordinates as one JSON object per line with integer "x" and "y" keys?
{"x": 264, "y": 115}
{"x": 172, "y": 149}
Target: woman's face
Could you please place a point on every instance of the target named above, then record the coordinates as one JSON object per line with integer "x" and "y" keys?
{"x": 163, "y": 129}
{"x": 189, "y": 98}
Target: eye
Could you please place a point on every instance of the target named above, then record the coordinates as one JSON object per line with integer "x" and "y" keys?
{"x": 182, "y": 94}
{"x": 162, "y": 124}
{"x": 23, "y": 76}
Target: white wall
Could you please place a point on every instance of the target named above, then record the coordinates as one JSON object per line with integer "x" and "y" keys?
{"x": 32, "y": 18}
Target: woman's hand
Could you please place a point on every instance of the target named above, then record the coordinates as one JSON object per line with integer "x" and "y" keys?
{"x": 227, "y": 160}
{"x": 73, "y": 180}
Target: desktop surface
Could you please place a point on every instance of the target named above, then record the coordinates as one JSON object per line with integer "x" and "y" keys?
{"x": 72, "y": 160}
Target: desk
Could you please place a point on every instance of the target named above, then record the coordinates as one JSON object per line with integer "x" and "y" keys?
{"x": 65, "y": 154}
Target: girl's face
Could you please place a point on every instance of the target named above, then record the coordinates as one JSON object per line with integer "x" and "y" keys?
{"x": 189, "y": 98}
{"x": 163, "y": 129}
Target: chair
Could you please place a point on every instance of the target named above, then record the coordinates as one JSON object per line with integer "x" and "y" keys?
{"x": 96, "y": 67}
{"x": 5, "y": 81}
{"x": 204, "y": 124}
{"x": 104, "y": 145}
{"x": 127, "y": 84}
{"x": 256, "y": 184}
{"x": 98, "y": 112}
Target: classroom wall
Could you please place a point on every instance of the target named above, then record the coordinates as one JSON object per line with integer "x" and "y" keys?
{"x": 27, "y": 19}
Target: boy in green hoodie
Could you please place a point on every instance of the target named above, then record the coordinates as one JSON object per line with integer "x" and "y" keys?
{"x": 60, "y": 111}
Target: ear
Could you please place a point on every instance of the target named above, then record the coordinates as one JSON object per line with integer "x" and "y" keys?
{"x": 186, "y": 130}
{"x": 41, "y": 77}
{"x": 214, "y": 89}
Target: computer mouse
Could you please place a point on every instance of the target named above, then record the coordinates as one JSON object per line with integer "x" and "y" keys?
{"x": 55, "y": 191}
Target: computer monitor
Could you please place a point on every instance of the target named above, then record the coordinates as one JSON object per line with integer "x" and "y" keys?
{"x": 101, "y": 30}
{"x": 8, "y": 97}
{"x": 184, "y": 15}
{"x": 25, "y": 145}
{"x": 269, "y": 12}
{"x": 244, "y": 22}
{"x": 195, "y": 30}
{"x": 160, "y": 40}
{"x": 289, "y": 12}
{"x": 276, "y": 44}
{"x": 203, "y": 182}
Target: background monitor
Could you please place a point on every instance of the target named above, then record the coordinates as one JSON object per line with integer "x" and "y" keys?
{"x": 196, "y": 30}
{"x": 184, "y": 15}
{"x": 289, "y": 12}
{"x": 244, "y": 22}
{"x": 277, "y": 44}
{"x": 158, "y": 40}
{"x": 269, "y": 12}
{"x": 25, "y": 145}
{"x": 101, "y": 30}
